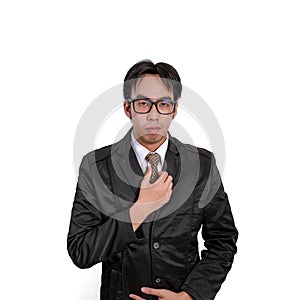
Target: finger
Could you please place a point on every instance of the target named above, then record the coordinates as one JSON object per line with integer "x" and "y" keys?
{"x": 169, "y": 179}
{"x": 170, "y": 185}
{"x": 162, "y": 177}
{"x": 151, "y": 291}
{"x": 148, "y": 171}
{"x": 162, "y": 173}
{"x": 132, "y": 296}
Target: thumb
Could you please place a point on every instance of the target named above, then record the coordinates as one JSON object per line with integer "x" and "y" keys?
{"x": 148, "y": 171}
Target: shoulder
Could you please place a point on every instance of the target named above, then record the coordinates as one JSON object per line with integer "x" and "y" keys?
{"x": 104, "y": 153}
{"x": 197, "y": 156}
{"x": 202, "y": 152}
{"x": 98, "y": 155}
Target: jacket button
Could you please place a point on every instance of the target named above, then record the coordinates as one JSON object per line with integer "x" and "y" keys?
{"x": 156, "y": 245}
{"x": 157, "y": 280}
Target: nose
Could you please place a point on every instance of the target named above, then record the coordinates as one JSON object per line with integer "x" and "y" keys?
{"x": 153, "y": 114}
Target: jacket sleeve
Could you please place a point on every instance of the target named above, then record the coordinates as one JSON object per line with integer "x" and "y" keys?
{"x": 220, "y": 236}
{"x": 94, "y": 237}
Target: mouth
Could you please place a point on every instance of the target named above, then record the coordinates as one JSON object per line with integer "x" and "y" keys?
{"x": 153, "y": 129}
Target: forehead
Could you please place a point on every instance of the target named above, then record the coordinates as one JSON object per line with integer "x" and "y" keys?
{"x": 151, "y": 86}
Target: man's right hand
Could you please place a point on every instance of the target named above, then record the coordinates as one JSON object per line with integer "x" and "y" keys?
{"x": 152, "y": 196}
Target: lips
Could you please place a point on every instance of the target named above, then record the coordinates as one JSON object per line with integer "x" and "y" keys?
{"x": 153, "y": 129}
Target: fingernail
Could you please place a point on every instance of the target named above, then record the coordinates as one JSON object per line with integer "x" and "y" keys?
{"x": 143, "y": 289}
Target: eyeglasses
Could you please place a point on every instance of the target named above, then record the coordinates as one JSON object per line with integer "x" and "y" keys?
{"x": 143, "y": 106}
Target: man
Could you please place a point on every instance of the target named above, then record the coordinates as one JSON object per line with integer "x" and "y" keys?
{"x": 140, "y": 203}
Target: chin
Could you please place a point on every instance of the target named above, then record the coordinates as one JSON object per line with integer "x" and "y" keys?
{"x": 153, "y": 138}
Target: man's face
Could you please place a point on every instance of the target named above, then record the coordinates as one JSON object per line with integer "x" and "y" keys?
{"x": 150, "y": 129}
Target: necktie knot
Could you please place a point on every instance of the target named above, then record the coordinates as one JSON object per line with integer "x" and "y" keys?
{"x": 153, "y": 159}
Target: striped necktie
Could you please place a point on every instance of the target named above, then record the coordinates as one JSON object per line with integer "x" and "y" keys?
{"x": 153, "y": 159}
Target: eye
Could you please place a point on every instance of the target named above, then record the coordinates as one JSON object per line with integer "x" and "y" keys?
{"x": 142, "y": 103}
{"x": 165, "y": 103}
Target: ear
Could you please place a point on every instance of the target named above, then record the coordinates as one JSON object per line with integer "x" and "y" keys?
{"x": 127, "y": 109}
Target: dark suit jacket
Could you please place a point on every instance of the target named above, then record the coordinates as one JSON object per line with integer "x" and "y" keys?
{"x": 163, "y": 252}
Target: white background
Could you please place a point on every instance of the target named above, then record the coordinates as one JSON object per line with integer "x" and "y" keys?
{"x": 242, "y": 57}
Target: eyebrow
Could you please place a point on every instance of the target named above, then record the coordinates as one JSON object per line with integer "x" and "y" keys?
{"x": 139, "y": 96}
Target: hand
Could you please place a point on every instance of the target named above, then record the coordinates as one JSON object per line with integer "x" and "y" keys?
{"x": 152, "y": 196}
{"x": 159, "y": 191}
{"x": 163, "y": 294}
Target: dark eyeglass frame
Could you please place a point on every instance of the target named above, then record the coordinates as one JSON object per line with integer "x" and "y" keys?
{"x": 152, "y": 103}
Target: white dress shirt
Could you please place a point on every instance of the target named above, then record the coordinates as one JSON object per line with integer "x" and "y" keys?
{"x": 141, "y": 152}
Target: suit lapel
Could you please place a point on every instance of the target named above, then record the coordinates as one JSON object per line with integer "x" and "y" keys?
{"x": 172, "y": 161}
{"x": 126, "y": 168}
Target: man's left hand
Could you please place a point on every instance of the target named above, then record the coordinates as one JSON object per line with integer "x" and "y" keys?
{"x": 163, "y": 294}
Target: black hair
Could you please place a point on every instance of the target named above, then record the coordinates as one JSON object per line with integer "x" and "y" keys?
{"x": 166, "y": 72}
